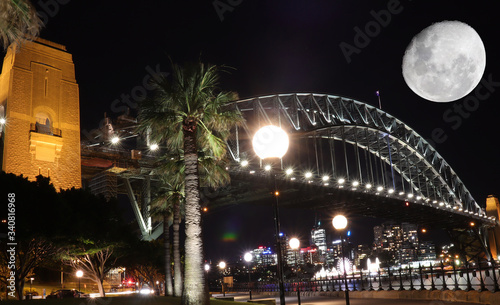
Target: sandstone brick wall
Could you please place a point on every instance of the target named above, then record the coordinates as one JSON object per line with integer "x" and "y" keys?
{"x": 40, "y": 78}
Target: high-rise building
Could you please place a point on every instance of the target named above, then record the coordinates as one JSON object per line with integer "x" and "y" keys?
{"x": 318, "y": 238}
{"x": 399, "y": 240}
{"x": 263, "y": 256}
{"x": 426, "y": 251}
{"x": 40, "y": 105}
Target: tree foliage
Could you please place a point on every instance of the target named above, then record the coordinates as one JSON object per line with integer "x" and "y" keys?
{"x": 18, "y": 22}
{"x": 189, "y": 112}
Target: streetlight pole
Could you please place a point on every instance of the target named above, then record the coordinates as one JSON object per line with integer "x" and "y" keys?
{"x": 340, "y": 223}
{"x": 222, "y": 266}
{"x": 295, "y": 244}
{"x": 248, "y": 258}
{"x": 79, "y": 275}
{"x": 272, "y": 142}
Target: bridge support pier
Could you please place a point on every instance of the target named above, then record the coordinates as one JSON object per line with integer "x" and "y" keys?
{"x": 493, "y": 210}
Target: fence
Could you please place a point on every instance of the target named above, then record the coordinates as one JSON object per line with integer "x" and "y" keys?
{"x": 482, "y": 277}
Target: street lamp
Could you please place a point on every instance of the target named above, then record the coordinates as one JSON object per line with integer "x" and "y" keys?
{"x": 295, "y": 244}
{"x": 272, "y": 142}
{"x": 79, "y": 275}
{"x": 340, "y": 223}
{"x": 248, "y": 258}
{"x": 222, "y": 266}
{"x": 31, "y": 282}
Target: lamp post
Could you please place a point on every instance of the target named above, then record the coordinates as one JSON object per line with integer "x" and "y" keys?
{"x": 79, "y": 275}
{"x": 272, "y": 142}
{"x": 248, "y": 258}
{"x": 295, "y": 244}
{"x": 222, "y": 266}
{"x": 340, "y": 223}
{"x": 31, "y": 282}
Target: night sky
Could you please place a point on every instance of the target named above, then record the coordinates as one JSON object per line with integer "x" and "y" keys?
{"x": 280, "y": 47}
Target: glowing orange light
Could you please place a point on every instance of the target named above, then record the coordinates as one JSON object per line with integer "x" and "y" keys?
{"x": 472, "y": 224}
{"x": 205, "y": 209}
{"x": 276, "y": 193}
{"x": 424, "y": 230}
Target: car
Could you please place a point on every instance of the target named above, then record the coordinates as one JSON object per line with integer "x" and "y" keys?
{"x": 61, "y": 294}
{"x": 67, "y": 293}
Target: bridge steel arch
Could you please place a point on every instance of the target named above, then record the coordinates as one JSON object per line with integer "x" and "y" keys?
{"x": 407, "y": 165}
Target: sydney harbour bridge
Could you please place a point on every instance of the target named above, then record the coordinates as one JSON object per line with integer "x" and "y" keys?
{"x": 344, "y": 155}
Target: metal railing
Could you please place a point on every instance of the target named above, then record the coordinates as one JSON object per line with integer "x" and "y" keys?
{"x": 481, "y": 277}
{"x": 45, "y": 130}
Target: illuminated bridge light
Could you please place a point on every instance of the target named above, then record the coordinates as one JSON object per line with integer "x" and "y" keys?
{"x": 341, "y": 181}
{"x": 441, "y": 204}
{"x": 390, "y": 191}
{"x": 115, "y": 140}
{"x": 153, "y": 147}
{"x": 401, "y": 193}
{"x": 308, "y": 175}
{"x": 410, "y": 195}
{"x": 267, "y": 167}
{"x": 252, "y": 172}
{"x": 2, "y": 121}
{"x": 380, "y": 188}
{"x": 368, "y": 186}
{"x": 289, "y": 171}
{"x": 355, "y": 183}
{"x": 325, "y": 178}
{"x": 244, "y": 163}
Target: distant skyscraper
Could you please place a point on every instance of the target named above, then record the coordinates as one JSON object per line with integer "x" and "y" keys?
{"x": 318, "y": 238}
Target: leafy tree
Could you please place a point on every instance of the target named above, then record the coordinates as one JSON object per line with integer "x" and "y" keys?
{"x": 188, "y": 112}
{"x": 94, "y": 233}
{"x": 30, "y": 228}
{"x": 143, "y": 261}
{"x": 18, "y": 22}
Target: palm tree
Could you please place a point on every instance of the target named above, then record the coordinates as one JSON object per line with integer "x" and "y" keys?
{"x": 18, "y": 22}
{"x": 189, "y": 111}
{"x": 162, "y": 205}
{"x": 171, "y": 169}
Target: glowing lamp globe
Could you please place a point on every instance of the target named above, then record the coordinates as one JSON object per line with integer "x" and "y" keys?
{"x": 248, "y": 257}
{"x": 79, "y": 273}
{"x": 294, "y": 243}
{"x": 339, "y": 222}
{"x": 270, "y": 142}
{"x": 222, "y": 265}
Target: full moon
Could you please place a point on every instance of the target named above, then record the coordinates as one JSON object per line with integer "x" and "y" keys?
{"x": 444, "y": 62}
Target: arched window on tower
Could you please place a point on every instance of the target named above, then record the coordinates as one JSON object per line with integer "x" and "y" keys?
{"x": 43, "y": 123}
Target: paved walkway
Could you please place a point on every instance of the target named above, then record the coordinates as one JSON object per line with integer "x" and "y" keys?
{"x": 292, "y": 300}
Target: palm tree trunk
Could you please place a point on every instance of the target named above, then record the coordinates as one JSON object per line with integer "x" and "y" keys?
{"x": 195, "y": 290}
{"x": 168, "y": 261}
{"x": 177, "y": 254}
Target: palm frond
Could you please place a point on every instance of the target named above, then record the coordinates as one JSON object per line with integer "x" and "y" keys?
{"x": 19, "y": 22}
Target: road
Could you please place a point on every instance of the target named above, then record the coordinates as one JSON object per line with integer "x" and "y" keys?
{"x": 315, "y": 300}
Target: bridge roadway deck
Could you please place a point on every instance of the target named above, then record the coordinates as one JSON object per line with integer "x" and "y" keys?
{"x": 320, "y": 300}
{"x": 254, "y": 189}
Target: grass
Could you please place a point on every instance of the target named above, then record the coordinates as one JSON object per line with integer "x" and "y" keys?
{"x": 126, "y": 300}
